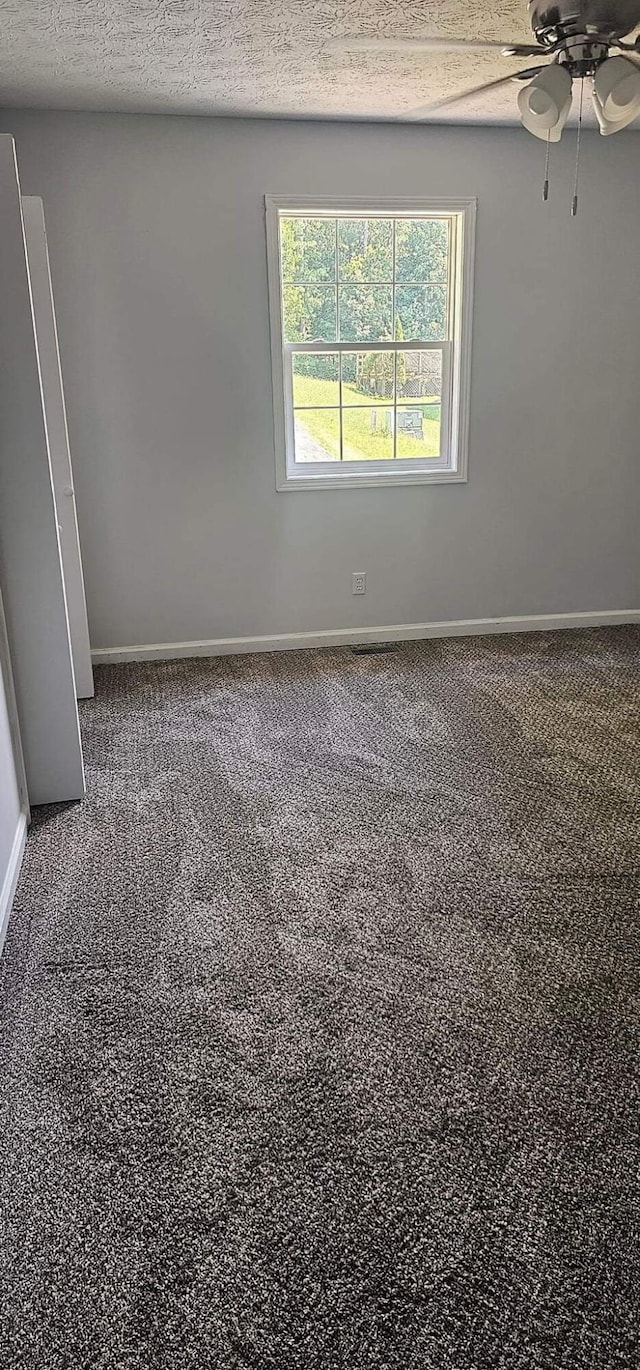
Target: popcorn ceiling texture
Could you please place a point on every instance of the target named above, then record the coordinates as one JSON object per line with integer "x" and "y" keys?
{"x": 319, "y": 1045}
{"x": 251, "y": 56}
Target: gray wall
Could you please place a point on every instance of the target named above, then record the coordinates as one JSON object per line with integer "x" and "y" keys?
{"x": 157, "y": 250}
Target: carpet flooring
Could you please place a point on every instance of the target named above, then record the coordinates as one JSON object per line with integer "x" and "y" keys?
{"x": 320, "y": 1019}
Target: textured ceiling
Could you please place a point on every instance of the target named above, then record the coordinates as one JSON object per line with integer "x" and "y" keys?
{"x": 260, "y": 57}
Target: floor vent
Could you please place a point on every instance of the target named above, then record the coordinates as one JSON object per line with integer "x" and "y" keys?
{"x": 374, "y": 648}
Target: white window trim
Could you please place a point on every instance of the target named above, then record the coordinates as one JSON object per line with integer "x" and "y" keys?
{"x": 456, "y": 359}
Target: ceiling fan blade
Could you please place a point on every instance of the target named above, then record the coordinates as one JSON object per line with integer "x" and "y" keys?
{"x": 431, "y": 45}
{"x": 435, "y": 105}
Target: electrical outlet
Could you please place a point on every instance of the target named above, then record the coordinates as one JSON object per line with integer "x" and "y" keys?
{"x": 359, "y": 583}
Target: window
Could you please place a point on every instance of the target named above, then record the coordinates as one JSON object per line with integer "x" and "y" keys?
{"x": 371, "y": 336}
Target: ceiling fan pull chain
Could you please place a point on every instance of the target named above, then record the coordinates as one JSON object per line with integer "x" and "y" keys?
{"x": 545, "y": 188}
{"x": 574, "y": 203}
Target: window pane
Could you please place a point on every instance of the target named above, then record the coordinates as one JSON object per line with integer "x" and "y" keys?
{"x": 317, "y": 435}
{"x": 422, "y": 249}
{"x": 422, "y": 311}
{"x": 365, "y": 313}
{"x": 418, "y": 430}
{"x": 308, "y": 249}
{"x": 367, "y": 434}
{"x": 316, "y": 379}
{"x": 309, "y": 313}
{"x": 367, "y": 376}
{"x": 419, "y": 375}
{"x": 365, "y": 249}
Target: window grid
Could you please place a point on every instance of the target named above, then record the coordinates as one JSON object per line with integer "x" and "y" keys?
{"x": 358, "y": 346}
{"x": 364, "y": 217}
{"x": 392, "y": 404}
{"x": 393, "y": 284}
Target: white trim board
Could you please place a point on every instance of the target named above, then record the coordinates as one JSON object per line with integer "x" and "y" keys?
{"x": 344, "y": 637}
{"x": 12, "y": 875}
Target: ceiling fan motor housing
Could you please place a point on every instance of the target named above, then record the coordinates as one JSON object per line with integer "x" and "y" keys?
{"x": 552, "y": 20}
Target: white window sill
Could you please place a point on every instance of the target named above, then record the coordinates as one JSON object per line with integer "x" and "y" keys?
{"x": 364, "y": 480}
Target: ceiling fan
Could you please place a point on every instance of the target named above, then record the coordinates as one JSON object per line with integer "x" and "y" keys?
{"x": 583, "y": 38}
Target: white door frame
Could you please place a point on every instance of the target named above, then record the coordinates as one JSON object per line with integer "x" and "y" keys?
{"x": 53, "y": 398}
{"x": 30, "y": 560}
{"x": 6, "y": 672}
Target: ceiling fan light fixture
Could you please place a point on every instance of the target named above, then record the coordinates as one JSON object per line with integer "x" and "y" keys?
{"x": 616, "y": 94}
{"x": 605, "y": 125}
{"x": 545, "y": 102}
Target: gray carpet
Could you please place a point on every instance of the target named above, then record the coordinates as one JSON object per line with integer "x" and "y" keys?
{"x": 320, "y": 1019}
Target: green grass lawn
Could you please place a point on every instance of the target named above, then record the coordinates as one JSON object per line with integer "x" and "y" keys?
{"x": 360, "y": 442}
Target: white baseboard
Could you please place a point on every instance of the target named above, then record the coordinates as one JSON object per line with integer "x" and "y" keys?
{"x": 10, "y": 881}
{"x": 344, "y": 637}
